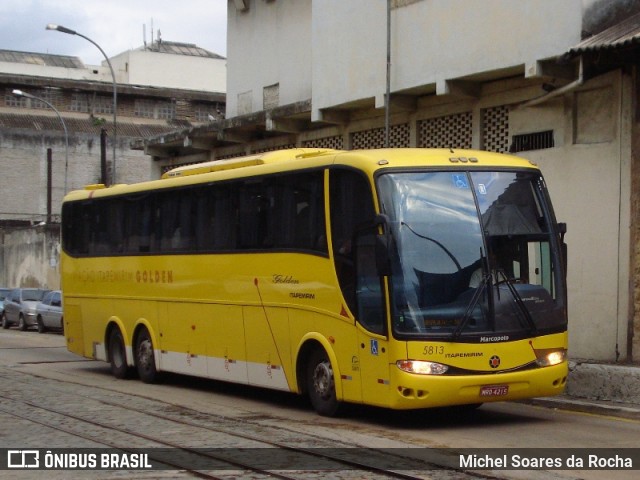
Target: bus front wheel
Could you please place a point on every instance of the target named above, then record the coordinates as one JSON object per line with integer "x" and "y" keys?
{"x": 321, "y": 384}
{"x": 118, "y": 355}
{"x": 145, "y": 358}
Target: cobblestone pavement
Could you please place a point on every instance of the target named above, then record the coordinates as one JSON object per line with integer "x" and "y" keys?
{"x": 53, "y": 400}
{"x": 68, "y": 415}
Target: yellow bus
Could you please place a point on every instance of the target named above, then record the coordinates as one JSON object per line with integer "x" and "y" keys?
{"x": 401, "y": 278}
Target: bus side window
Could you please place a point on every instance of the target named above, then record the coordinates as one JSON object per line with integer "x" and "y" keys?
{"x": 351, "y": 206}
{"x": 369, "y": 285}
{"x": 251, "y": 217}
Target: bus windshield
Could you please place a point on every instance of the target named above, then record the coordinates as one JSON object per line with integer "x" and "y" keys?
{"x": 473, "y": 255}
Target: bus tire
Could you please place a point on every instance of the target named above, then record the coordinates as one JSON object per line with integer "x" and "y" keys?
{"x": 118, "y": 355}
{"x": 145, "y": 358}
{"x": 321, "y": 385}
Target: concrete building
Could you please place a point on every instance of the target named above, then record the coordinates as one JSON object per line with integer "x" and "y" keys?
{"x": 39, "y": 162}
{"x": 495, "y": 75}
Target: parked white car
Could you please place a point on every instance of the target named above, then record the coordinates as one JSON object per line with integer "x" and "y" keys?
{"x": 49, "y": 312}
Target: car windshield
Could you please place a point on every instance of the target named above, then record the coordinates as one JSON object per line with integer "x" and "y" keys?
{"x": 473, "y": 254}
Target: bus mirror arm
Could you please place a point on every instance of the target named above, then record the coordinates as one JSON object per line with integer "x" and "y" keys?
{"x": 562, "y": 230}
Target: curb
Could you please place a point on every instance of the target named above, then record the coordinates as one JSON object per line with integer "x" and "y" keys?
{"x": 567, "y": 403}
{"x": 608, "y": 382}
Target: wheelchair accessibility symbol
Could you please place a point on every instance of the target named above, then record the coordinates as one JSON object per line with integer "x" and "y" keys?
{"x": 460, "y": 180}
{"x": 374, "y": 347}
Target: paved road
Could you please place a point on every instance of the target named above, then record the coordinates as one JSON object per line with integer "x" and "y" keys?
{"x": 50, "y": 398}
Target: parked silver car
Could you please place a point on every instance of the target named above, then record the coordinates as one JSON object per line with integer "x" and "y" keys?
{"x": 49, "y": 312}
{"x": 3, "y": 294}
{"x": 20, "y": 307}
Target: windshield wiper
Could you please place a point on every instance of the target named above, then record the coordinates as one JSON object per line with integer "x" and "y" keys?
{"x": 516, "y": 296}
{"x": 472, "y": 304}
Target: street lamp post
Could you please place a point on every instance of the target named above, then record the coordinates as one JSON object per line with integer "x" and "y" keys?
{"x": 387, "y": 94}
{"x": 62, "y": 29}
{"x": 20, "y": 93}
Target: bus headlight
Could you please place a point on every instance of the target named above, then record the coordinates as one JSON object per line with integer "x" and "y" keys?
{"x": 421, "y": 367}
{"x": 550, "y": 357}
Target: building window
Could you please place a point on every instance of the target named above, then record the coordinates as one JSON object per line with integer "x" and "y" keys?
{"x": 79, "y": 102}
{"x": 208, "y": 112}
{"x": 158, "y": 109}
{"x": 532, "y": 141}
{"x": 271, "y": 96}
{"x": 102, "y": 104}
{"x": 245, "y": 103}
{"x": 11, "y": 100}
{"x": 50, "y": 95}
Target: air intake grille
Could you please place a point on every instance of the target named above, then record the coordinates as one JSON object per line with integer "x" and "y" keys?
{"x": 532, "y": 141}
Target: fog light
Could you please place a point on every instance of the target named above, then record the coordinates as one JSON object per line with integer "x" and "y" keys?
{"x": 421, "y": 367}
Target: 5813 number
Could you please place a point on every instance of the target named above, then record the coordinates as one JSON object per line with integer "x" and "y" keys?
{"x": 433, "y": 350}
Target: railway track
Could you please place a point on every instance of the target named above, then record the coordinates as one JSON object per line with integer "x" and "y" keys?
{"x": 180, "y": 439}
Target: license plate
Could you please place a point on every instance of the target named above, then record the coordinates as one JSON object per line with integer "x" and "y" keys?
{"x": 494, "y": 390}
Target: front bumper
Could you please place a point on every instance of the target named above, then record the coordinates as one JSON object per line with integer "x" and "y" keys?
{"x": 413, "y": 391}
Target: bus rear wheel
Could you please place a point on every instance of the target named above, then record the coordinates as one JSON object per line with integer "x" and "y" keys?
{"x": 321, "y": 385}
{"x": 145, "y": 358}
{"x": 118, "y": 355}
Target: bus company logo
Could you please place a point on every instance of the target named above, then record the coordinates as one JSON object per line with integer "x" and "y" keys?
{"x": 500, "y": 338}
{"x": 494, "y": 362}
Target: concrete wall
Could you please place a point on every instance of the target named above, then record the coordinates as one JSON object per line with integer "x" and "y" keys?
{"x": 589, "y": 176}
{"x": 276, "y": 36}
{"x": 334, "y": 52}
{"x": 25, "y": 169}
{"x": 29, "y": 257}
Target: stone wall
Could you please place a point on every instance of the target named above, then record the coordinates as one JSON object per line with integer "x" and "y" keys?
{"x": 29, "y": 257}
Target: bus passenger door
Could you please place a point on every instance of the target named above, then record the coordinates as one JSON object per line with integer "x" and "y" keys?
{"x": 373, "y": 344}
